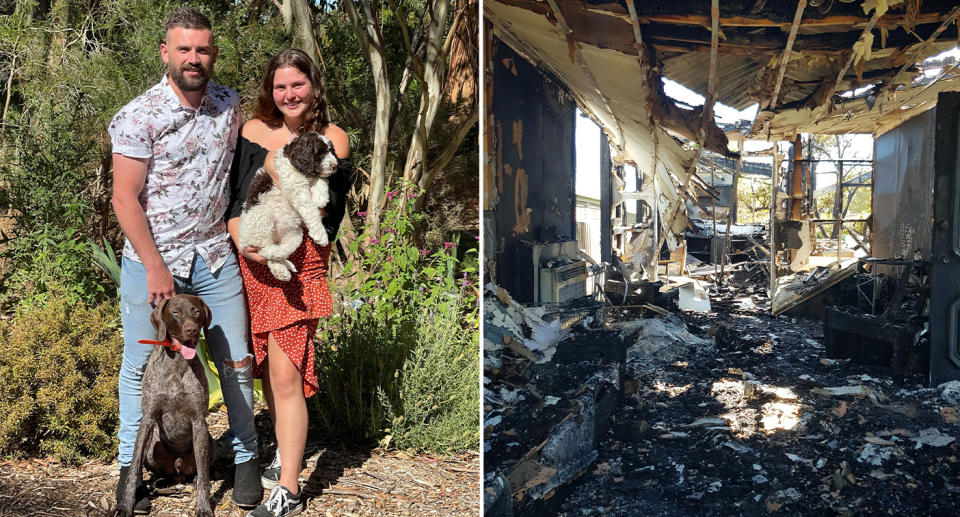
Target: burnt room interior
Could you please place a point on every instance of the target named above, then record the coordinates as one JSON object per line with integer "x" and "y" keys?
{"x": 770, "y": 325}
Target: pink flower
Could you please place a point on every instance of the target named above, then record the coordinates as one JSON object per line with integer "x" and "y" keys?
{"x": 390, "y": 258}
{"x": 412, "y": 195}
{"x": 390, "y": 230}
{"x": 448, "y": 245}
{"x": 361, "y": 214}
{"x": 393, "y": 194}
{"x": 374, "y": 241}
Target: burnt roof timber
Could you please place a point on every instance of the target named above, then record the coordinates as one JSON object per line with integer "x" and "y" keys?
{"x": 786, "y": 53}
{"x": 916, "y": 52}
{"x": 710, "y": 99}
{"x": 854, "y": 22}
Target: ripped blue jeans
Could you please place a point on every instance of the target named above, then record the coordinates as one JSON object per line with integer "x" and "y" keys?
{"x": 227, "y": 338}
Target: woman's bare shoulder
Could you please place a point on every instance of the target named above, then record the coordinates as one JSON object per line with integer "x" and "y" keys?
{"x": 254, "y": 129}
{"x": 341, "y": 143}
{"x": 258, "y": 132}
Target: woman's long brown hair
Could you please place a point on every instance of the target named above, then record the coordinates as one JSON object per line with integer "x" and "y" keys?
{"x": 316, "y": 117}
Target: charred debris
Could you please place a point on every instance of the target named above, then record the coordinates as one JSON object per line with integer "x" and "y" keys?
{"x": 713, "y": 358}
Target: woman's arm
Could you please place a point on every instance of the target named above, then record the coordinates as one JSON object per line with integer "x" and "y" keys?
{"x": 250, "y": 252}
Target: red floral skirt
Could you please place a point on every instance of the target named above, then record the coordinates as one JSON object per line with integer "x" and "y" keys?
{"x": 289, "y": 310}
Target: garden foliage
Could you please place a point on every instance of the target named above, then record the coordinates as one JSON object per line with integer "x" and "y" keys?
{"x": 59, "y": 364}
{"x": 399, "y": 359}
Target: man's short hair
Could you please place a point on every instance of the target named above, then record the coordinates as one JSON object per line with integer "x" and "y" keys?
{"x": 187, "y": 18}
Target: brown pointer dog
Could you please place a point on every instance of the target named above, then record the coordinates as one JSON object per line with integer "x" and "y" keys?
{"x": 173, "y": 436}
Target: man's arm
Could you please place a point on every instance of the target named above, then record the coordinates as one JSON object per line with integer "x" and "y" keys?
{"x": 129, "y": 175}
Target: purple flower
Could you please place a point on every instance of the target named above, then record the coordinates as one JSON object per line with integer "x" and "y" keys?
{"x": 374, "y": 241}
{"x": 361, "y": 214}
{"x": 424, "y": 252}
{"x": 476, "y": 237}
{"x": 412, "y": 195}
{"x": 390, "y": 230}
{"x": 448, "y": 245}
{"x": 393, "y": 194}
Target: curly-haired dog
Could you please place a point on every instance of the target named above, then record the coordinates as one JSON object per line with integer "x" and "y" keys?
{"x": 173, "y": 434}
{"x": 272, "y": 216}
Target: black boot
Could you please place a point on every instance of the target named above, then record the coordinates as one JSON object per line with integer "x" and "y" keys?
{"x": 247, "y": 491}
{"x": 141, "y": 505}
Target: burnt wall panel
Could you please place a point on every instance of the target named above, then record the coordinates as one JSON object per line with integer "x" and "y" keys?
{"x": 533, "y": 126}
{"x": 903, "y": 189}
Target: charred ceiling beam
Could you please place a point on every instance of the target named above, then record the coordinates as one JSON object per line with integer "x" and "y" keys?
{"x": 853, "y": 21}
{"x": 853, "y": 55}
{"x": 678, "y": 38}
{"x": 786, "y": 53}
{"x": 691, "y": 124}
{"x": 915, "y": 55}
{"x": 710, "y": 98}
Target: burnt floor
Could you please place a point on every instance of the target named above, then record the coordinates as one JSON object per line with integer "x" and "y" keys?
{"x": 757, "y": 422}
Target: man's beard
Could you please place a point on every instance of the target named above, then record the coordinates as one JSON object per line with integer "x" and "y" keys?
{"x": 190, "y": 84}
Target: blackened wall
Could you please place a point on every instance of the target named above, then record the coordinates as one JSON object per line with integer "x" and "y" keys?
{"x": 903, "y": 189}
{"x": 533, "y": 139}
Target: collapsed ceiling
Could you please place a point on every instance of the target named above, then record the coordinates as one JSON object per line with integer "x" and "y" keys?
{"x": 813, "y": 66}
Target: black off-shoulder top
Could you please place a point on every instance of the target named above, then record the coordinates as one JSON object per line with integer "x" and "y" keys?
{"x": 250, "y": 156}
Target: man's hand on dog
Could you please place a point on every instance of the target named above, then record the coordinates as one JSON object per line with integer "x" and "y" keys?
{"x": 159, "y": 284}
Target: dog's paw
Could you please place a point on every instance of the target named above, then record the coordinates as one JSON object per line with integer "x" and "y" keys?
{"x": 280, "y": 272}
{"x": 321, "y": 237}
{"x": 289, "y": 265}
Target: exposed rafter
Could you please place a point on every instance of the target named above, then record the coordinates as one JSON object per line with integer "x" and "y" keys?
{"x": 785, "y": 60}
{"x": 710, "y": 98}
{"x": 853, "y": 56}
{"x": 923, "y": 45}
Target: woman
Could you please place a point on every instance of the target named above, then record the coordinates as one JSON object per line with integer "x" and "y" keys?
{"x": 284, "y": 315}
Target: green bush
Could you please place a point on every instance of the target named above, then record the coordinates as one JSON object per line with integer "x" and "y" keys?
{"x": 411, "y": 312}
{"x": 45, "y": 259}
{"x": 59, "y": 362}
{"x": 438, "y": 390}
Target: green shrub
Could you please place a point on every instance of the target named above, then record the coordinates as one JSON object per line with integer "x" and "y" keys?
{"x": 40, "y": 261}
{"x": 438, "y": 390}
{"x": 59, "y": 362}
{"x": 401, "y": 299}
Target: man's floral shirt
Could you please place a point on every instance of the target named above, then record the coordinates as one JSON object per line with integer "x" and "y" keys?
{"x": 186, "y": 191}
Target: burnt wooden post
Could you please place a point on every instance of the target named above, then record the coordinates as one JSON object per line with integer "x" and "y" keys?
{"x": 606, "y": 200}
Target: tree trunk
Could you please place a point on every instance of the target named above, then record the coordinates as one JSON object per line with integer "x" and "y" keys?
{"x": 299, "y": 23}
{"x": 371, "y": 40}
{"x": 432, "y": 91}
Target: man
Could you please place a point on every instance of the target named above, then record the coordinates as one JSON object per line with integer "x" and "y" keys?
{"x": 172, "y": 149}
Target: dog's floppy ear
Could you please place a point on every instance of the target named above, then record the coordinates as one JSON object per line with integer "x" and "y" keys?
{"x": 156, "y": 318}
{"x": 206, "y": 313}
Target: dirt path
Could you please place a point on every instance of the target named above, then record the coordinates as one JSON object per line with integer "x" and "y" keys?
{"x": 338, "y": 481}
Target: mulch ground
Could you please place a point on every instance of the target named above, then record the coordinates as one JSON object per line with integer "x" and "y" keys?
{"x": 338, "y": 479}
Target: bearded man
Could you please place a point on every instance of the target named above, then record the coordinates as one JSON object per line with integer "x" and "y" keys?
{"x": 172, "y": 149}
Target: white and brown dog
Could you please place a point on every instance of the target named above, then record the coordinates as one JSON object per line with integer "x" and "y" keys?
{"x": 273, "y": 217}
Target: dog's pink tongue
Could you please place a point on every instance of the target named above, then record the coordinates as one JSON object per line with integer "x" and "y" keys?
{"x": 188, "y": 352}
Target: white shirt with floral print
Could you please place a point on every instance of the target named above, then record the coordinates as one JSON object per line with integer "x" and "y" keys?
{"x": 186, "y": 191}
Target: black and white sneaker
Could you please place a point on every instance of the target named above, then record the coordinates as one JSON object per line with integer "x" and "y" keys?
{"x": 280, "y": 503}
{"x": 271, "y": 475}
